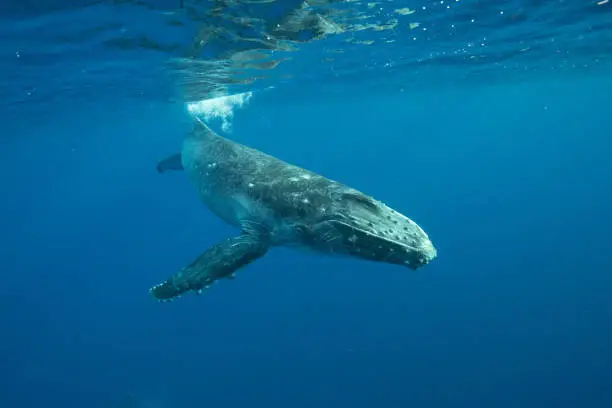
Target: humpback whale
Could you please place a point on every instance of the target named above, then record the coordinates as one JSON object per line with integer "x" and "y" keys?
{"x": 274, "y": 203}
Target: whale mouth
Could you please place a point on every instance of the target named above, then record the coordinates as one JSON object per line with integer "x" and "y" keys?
{"x": 412, "y": 251}
{"x": 423, "y": 255}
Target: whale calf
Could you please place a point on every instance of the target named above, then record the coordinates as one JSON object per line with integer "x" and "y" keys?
{"x": 275, "y": 203}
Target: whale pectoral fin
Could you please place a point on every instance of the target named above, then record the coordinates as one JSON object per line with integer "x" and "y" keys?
{"x": 217, "y": 262}
{"x": 170, "y": 163}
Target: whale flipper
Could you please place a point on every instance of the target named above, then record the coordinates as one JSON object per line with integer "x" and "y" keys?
{"x": 170, "y": 163}
{"x": 219, "y": 261}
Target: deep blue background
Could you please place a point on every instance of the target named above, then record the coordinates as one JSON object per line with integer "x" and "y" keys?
{"x": 512, "y": 183}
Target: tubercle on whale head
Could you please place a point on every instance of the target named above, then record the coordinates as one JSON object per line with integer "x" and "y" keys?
{"x": 366, "y": 228}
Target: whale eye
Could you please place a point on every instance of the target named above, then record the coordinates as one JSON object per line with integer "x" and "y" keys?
{"x": 361, "y": 199}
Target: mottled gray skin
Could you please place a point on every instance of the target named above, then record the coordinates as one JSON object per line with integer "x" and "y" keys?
{"x": 278, "y": 204}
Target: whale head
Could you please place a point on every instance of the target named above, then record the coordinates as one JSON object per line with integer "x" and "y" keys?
{"x": 363, "y": 227}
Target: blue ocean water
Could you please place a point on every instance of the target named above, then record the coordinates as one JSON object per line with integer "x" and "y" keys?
{"x": 499, "y": 148}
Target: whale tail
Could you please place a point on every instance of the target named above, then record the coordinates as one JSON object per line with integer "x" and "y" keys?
{"x": 173, "y": 162}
